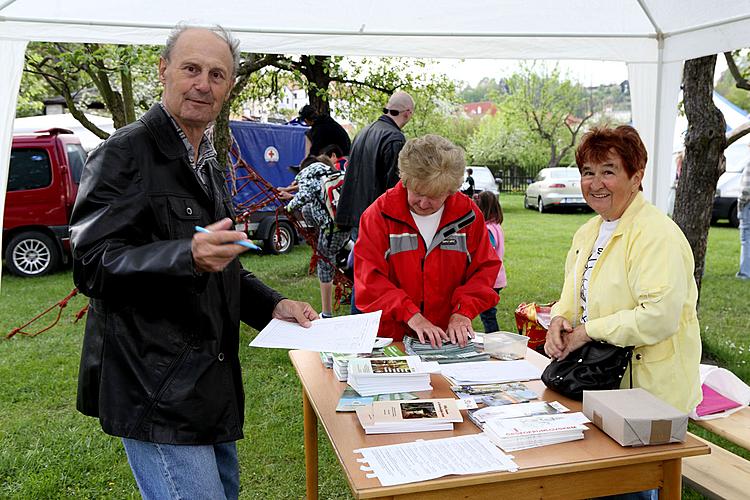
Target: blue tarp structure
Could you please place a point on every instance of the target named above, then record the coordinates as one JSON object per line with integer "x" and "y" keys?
{"x": 270, "y": 150}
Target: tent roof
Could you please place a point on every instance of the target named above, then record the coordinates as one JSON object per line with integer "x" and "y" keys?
{"x": 620, "y": 30}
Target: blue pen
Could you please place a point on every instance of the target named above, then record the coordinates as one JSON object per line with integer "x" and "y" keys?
{"x": 244, "y": 243}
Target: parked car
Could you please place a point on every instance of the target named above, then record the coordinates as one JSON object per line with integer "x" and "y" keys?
{"x": 45, "y": 169}
{"x": 728, "y": 185}
{"x": 555, "y": 187}
{"x": 484, "y": 180}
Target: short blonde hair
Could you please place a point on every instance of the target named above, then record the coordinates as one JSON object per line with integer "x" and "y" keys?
{"x": 431, "y": 165}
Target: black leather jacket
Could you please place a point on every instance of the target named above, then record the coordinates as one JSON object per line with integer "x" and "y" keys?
{"x": 160, "y": 353}
{"x": 373, "y": 168}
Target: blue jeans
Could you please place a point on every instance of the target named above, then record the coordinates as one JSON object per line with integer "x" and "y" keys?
{"x": 744, "y": 216}
{"x": 171, "y": 471}
{"x": 489, "y": 318}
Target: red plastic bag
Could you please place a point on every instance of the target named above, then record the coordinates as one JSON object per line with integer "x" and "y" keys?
{"x": 532, "y": 320}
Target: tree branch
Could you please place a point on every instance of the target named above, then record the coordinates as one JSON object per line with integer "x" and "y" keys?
{"x": 740, "y": 81}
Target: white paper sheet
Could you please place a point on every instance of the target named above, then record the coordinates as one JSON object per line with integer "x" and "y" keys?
{"x": 342, "y": 334}
{"x": 423, "y": 460}
{"x": 491, "y": 372}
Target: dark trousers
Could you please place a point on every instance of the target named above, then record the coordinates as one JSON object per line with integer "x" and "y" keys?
{"x": 489, "y": 317}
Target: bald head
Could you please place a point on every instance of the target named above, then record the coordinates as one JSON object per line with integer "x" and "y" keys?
{"x": 404, "y": 104}
{"x": 401, "y": 101}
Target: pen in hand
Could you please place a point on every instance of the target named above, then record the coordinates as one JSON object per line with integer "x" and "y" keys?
{"x": 244, "y": 243}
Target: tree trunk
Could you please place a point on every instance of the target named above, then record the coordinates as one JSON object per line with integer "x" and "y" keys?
{"x": 316, "y": 71}
{"x": 704, "y": 158}
{"x": 250, "y": 64}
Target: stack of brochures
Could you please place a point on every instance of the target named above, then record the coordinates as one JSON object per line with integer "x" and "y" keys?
{"x": 418, "y": 415}
{"x": 495, "y": 394}
{"x": 513, "y": 434}
{"x": 446, "y": 353}
{"x": 482, "y": 415}
{"x": 350, "y": 400}
{"x": 370, "y": 376}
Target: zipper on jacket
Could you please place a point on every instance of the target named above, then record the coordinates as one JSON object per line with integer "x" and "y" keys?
{"x": 169, "y": 376}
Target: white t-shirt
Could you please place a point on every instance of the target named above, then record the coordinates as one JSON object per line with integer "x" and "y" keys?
{"x": 605, "y": 234}
{"x": 428, "y": 224}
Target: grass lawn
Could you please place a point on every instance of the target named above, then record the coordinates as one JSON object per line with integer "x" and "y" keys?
{"x": 49, "y": 450}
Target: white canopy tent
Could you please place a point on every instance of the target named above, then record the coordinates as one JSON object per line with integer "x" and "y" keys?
{"x": 653, "y": 37}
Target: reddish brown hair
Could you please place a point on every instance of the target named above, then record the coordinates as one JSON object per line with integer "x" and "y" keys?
{"x": 598, "y": 143}
{"x": 490, "y": 207}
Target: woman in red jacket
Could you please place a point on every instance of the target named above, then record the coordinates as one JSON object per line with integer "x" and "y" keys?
{"x": 423, "y": 256}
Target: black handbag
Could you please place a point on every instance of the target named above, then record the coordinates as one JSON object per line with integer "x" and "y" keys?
{"x": 594, "y": 367}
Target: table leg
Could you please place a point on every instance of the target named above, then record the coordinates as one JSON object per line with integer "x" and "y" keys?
{"x": 672, "y": 487}
{"x": 311, "y": 447}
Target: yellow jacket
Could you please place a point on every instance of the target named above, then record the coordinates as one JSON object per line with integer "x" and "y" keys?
{"x": 642, "y": 293}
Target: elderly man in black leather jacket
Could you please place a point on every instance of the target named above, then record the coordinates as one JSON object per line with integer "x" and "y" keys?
{"x": 160, "y": 365}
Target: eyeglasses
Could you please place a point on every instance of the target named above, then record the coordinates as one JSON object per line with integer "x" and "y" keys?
{"x": 393, "y": 112}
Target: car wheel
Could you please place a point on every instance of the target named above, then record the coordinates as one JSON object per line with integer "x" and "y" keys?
{"x": 734, "y": 220}
{"x": 525, "y": 202}
{"x": 32, "y": 254}
{"x": 540, "y": 205}
{"x": 281, "y": 240}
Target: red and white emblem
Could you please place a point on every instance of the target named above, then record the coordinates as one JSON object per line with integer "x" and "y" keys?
{"x": 271, "y": 155}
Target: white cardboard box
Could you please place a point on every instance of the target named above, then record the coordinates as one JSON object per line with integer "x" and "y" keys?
{"x": 635, "y": 417}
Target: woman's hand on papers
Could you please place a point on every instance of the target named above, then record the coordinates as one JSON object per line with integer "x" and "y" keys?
{"x": 425, "y": 330}
{"x": 459, "y": 329}
{"x": 295, "y": 312}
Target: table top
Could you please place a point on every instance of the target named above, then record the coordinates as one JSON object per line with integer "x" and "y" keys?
{"x": 595, "y": 451}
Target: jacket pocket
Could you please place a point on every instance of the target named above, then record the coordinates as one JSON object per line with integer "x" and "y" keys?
{"x": 184, "y": 215}
{"x": 654, "y": 353}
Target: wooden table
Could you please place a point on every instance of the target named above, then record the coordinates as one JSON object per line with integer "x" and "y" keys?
{"x": 595, "y": 466}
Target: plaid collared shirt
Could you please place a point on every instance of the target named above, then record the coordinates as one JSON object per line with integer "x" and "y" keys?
{"x": 206, "y": 152}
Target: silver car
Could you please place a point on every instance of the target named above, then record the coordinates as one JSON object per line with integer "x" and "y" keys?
{"x": 555, "y": 187}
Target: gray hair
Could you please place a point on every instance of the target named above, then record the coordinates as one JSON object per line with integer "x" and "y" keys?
{"x": 223, "y": 34}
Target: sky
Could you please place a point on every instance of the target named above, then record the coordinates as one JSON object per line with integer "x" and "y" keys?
{"x": 587, "y": 73}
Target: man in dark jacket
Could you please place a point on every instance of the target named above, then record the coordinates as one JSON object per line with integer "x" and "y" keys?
{"x": 373, "y": 163}
{"x": 323, "y": 132}
{"x": 160, "y": 362}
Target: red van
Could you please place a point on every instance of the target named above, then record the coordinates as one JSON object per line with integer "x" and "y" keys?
{"x": 45, "y": 169}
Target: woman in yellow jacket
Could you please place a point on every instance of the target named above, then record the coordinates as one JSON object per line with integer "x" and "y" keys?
{"x": 629, "y": 275}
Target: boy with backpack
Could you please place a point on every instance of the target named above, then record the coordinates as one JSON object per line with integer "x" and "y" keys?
{"x": 318, "y": 186}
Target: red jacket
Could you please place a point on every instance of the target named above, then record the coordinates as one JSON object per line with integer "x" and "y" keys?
{"x": 395, "y": 272}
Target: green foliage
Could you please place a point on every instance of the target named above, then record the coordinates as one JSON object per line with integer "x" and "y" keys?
{"x": 553, "y": 107}
{"x": 49, "y": 450}
{"x": 505, "y": 142}
{"x": 123, "y": 77}
{"x": 487, "y": 89}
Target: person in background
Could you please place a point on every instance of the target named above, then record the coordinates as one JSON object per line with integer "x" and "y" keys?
{"x": 331, "y": 240}
{"x": 629, "y": 275}
{"x": 468, "y": 185}
{"x": 423, "y": 255}
{"x": 493, "y": 219}
{"x": 160, "y": 363}
{"x": 324, "y": 131}
{"x": 743, "y": 212}
{"x": 373, "y": 165}
{"x": 334, "y": 155}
